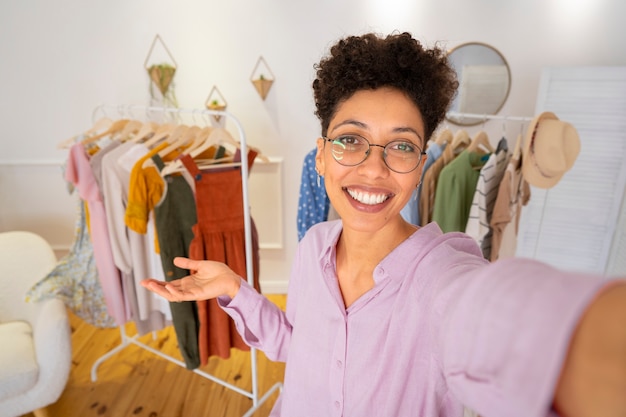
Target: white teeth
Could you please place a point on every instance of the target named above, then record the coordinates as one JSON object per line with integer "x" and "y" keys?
{"x": 367, "y": 198}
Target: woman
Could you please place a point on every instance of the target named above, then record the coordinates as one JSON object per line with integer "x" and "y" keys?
{"x": 385, "y": 319}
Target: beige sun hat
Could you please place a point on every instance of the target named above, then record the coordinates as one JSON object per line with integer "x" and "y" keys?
{"x": 550, "y": 150}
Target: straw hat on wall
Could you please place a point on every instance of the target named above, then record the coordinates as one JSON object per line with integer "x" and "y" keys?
{"x": 550, "y": 150}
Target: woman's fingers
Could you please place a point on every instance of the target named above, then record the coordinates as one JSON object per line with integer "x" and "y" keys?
{"x": 186, "y": 263}
{"x": 209, "y": 279}
{"x": 153, "y": 284}
{"x": 168, "y": 290}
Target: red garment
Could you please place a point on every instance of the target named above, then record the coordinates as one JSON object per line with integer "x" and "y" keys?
{"x": 219, "y": 235}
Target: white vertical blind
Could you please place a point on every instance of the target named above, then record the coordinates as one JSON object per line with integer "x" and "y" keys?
{"x": 617, "y": 258}
{"x": 577, "y": 224}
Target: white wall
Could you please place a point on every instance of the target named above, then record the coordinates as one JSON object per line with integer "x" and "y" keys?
{"x": 59, "y": 59}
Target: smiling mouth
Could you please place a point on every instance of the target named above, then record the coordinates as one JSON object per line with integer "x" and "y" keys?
{"x": 367, "y": 198}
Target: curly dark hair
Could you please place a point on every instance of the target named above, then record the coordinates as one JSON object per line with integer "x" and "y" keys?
{"x": 399, "y": 61}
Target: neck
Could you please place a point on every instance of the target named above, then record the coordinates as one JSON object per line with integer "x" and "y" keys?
{"x": 358, "y": 253}
{"x": 369, "y": 248}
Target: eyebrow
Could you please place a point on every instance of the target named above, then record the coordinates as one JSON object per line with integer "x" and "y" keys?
{"x": 364, "y": 126}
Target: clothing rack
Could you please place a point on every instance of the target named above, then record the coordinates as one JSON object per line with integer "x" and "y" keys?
{"x": 213, "y": 115}
{"x": 504, "y": 118}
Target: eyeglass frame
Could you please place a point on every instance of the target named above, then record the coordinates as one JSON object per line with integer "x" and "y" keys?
{"x": 384, "y": 147}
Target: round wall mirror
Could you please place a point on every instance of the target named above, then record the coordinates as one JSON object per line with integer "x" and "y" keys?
{"x": 484, "y": 82}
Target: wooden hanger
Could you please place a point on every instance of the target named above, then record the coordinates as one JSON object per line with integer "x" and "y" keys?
{"x": 210, "y": 163}
{"x": 101, "y": 124}
{"x": 259, "y": 155}
{"x": 181, "y": 137}
{"x": 217, "y": 136}
{"x": 131, "y": 127}
{"x": 461, "y": 140}
{"x": 147, "y": 129}
{"x": 117, "y": 126}
{"x": 161, "y": 133}
{"x": 172, "y": 143}
{"x": 201, "y": 136}
{"x": 480, "y": 140}
{"x": 517, "y": 152}
{"x": 222, "y": 136}
{"x": 445, "y": 136}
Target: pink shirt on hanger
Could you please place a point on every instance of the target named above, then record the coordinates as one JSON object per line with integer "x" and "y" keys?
{"x": 78, "y": 171}
{"x": 441, "y": 329}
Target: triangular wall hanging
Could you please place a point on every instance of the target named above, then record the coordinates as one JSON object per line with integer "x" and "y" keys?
{"x": 160, "y": 71}
{"x": 262, "y": 77}
{"x": 216, "y": 101}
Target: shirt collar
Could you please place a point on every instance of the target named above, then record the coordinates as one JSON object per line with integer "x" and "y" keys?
{"x": 394, "y": 263}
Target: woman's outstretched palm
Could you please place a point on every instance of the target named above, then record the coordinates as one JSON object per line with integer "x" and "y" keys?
{"x": 210, "y": 279}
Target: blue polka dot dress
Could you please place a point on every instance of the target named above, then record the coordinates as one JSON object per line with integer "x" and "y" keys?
{"x": 313, "y": 203}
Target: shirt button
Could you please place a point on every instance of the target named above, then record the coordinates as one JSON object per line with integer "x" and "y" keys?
{"x": 339, "y": 364}
{"x": 337, "y": 404}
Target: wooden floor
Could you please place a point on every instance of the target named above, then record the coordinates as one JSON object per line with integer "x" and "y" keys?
{"x": 137, "y": 383}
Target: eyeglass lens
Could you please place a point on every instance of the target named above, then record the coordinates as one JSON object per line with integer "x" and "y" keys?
{"x": 401, "y": 156}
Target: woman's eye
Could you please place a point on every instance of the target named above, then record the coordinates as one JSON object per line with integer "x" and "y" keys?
{"x": 351, "y": 143}
{"x": 403, "y": 146}
{"x": 349, "y": 140}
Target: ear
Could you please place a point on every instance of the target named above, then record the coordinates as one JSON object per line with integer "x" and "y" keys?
{"x": 320, "y": 165}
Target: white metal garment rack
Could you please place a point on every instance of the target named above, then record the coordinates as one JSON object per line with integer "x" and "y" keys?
{"x": 485, "y": 117}
{"x": 128, "y": 340}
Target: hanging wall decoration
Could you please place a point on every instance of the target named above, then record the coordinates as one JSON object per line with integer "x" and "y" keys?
{"x": 215, "y": 101}
{"x": 161, "y": 70}
{"x": 262, "y": 77}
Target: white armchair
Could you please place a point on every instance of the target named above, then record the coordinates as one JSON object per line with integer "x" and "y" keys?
{"x": 35, "y": 339}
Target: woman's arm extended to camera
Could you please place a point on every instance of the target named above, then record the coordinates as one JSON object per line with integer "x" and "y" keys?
{"x": 593, "y": 379}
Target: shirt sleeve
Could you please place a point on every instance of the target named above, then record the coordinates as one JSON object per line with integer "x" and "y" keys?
{"x": 505, "y": 336}
{"x": 261, "y": 323}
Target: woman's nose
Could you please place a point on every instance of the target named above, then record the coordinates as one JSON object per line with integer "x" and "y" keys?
{"x": 375, "y": 160}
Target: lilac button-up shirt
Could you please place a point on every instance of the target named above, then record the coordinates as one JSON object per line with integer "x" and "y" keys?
{"x": 440, "y": 329}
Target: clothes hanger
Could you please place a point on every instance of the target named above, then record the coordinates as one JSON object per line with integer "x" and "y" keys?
{"x": 146, "y": 130}
{"x": 461, "y": 140}
{"x": 101, "y": 124}
{"x": 480, "y": 140}
{"x": 161, "y": 133}
{"x": 179, "y": 140}
{"x": 223, "y": 137}
{"x": 445, "y": 136}
{"x": 259, "y": 155}
{"x": 217, "y": 136}
{"x": 210, "y": 163}
{"x": 115, "y": 127}
{"x": 226, "y": 138}
{"x": 174, "y": 141}
{"x": 517, "y": 152}
{"x": 131, "y": 127}
{"x": 200, "y": 137}
{"x": 503, "y": 145}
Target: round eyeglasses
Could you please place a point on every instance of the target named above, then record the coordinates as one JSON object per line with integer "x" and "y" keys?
{"x": 401, "y": 156}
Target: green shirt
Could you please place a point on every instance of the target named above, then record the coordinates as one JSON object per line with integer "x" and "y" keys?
{"x": 455, "y": 191}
